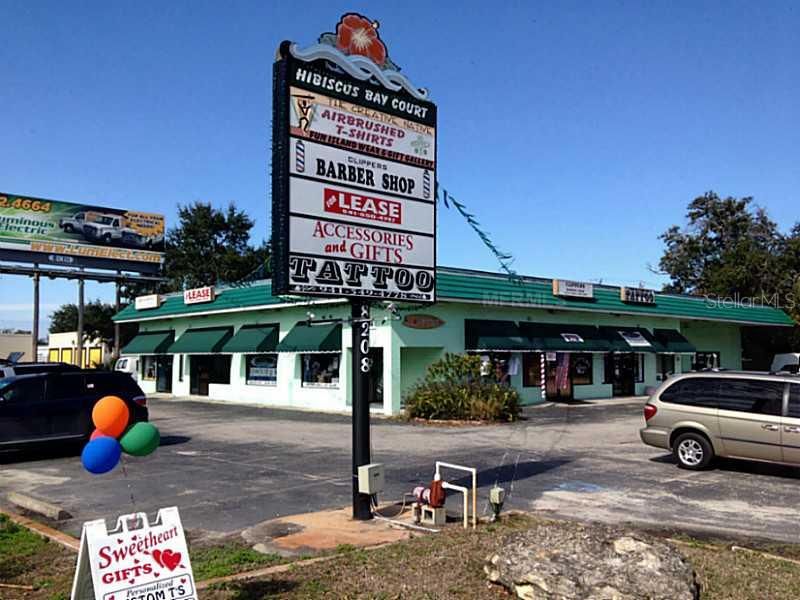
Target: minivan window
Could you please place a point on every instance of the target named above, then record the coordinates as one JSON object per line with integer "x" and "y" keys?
{"x": 751, "y": 395}
{"x": 794, "y": 401}
{"x": 695, "y": 391}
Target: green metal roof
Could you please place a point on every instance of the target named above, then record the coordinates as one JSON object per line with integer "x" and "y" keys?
{"x": 459, "y": 285}
{"x": 253, "y": 339}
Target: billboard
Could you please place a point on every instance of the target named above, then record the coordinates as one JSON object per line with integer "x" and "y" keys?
{"x": 353, "y": 179}
{"x": 37, "y": 230}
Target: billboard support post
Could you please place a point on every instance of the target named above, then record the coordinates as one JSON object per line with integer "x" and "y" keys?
{"x": 79, "y": 343}
{"x": 35, "y": 327}
{"x": 359, "y": 325}
{"x": 116, "y": 311}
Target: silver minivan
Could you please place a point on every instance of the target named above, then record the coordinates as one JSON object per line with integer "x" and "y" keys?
{"x": 735, "y": 414}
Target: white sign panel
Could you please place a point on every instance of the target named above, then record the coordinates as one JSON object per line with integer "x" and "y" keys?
{"x": 334, "y": 165}
{"x": 341, "y": 240}
{"x": 572, "y": 289}
{"x": 334, "y": 202}
{"x": 355, "y": 278}
{"x": 350, "y": 126}
{"x": 136, "y": 560}
{"x": 147, "y": 302}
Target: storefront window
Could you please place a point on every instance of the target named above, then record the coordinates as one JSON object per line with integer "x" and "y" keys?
{"x": 261, "y": 369}
{"x": 149, "y": 368}
{"x": 532, "y": 369}
{"x": 705, "y": 360}
{"x": 639, "y": 368}
{"x": 497, "y": 367}
{"x": 219, "y": 369}
{"x": 582, "y": 371}
{"x": 321, "y": 370}
{"x": 666, "y": 366}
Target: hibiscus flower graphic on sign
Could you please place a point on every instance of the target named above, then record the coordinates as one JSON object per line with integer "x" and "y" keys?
{"x": 356, "y": 34}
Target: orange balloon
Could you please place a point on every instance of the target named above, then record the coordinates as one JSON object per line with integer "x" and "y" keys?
{"x": 96, "y": 434}
{"x": 110, "y": 415}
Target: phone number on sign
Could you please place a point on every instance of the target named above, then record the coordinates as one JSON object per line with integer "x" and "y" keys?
{"x": 25, "y": 204}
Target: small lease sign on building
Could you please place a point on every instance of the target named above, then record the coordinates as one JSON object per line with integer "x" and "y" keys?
{"x": 198, "y": 295}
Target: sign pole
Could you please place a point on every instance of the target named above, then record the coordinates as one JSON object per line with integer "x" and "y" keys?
{"x": 79, "y": 342}
{"x": 35, "y": 328}
{"x": 360, "y": 322}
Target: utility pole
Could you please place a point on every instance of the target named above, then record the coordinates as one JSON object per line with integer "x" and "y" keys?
{"x": 35, "y": 328}
{"x": 359, "y": 325}
{"x": 79, "y": 343}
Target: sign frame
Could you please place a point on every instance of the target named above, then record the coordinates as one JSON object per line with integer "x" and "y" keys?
{"x": 347, "y": 280}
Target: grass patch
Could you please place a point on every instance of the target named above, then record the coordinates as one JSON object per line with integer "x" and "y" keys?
{"x": 16, "y": 544}
{"x": 227, "y": 559}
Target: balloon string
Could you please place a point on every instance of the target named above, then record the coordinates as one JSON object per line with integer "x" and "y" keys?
{"x": 127, "y": 482}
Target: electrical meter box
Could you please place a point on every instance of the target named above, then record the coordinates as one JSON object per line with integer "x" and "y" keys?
{"x": 370, "y": 479}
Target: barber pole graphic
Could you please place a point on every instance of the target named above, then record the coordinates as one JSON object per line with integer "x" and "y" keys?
{"x": 300, "y": 157}
{"x": 426, "y": 185}
{"x": 542, "y": 374}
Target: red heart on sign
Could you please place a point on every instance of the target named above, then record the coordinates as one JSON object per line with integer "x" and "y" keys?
{"x": 167, "y": 558}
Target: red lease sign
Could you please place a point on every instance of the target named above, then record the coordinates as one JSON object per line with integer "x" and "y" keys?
{"x": 198, "y": 295}
{"x": 364, "y": 207}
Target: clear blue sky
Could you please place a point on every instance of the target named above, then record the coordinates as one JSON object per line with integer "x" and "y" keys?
{"x": 576, "y": 131}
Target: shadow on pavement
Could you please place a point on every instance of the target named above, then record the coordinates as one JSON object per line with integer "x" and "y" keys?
{"x": 44, "y": 451}
{"x": 174, "y": 440}
{"x": 732, "y": 465}
{"x": 511, "y": 472}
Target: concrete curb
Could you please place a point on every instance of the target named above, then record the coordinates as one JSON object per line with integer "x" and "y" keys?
{"x": 59, "y": 537}
{"x": 40, "y": 507}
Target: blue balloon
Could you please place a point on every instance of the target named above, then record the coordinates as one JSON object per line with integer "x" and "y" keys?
{"x": 101, "y": 455}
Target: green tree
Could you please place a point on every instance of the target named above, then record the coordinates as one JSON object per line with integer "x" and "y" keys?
{"x": 209, "y": 246}
{"x": 725, "y": 249}
{"x": 97, "y": 320}
{"x": 730, "y": 248}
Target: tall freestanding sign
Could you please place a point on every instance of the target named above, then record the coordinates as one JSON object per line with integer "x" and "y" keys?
{"x": 353, "y": 188}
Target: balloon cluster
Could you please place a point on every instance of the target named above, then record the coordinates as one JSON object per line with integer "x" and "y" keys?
{"x": 112, "y": 436}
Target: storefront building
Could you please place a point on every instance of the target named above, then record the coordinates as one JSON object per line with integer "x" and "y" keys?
{"x": 550, "y": 339}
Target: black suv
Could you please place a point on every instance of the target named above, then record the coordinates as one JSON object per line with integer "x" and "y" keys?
{"x": 10, "y": 369}
{"x": 57, "y": 406}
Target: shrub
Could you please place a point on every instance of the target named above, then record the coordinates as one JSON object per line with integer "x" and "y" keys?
{"x": 454, "y": 389}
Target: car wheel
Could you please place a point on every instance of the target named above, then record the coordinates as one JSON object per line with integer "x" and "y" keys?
{"x": 107, "y": 238}
{"x": 692, "y": 451}
{"x": 68, "y": 228}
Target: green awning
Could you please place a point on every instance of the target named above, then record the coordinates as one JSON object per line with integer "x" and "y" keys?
{"x": 208, "y": 340}
{"x": 564, "y": 337}
{"x": 629, "y": 339}
{"x": 253, "y": 339}
{"x": 149, "y": 342}
{"x": 307, "y": 338}
{"x": 496, "y": 336}
{"x": 672, "y": 342}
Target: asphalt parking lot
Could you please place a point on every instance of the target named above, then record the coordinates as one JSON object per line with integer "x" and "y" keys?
{"x": 228, "y": 467}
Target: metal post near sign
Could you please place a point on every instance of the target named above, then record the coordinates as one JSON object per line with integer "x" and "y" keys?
{"x": 359, "y": 324}
{"x": 35, "y": 327}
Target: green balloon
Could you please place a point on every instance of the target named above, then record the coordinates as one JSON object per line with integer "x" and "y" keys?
{"x": 141, "y": 439}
